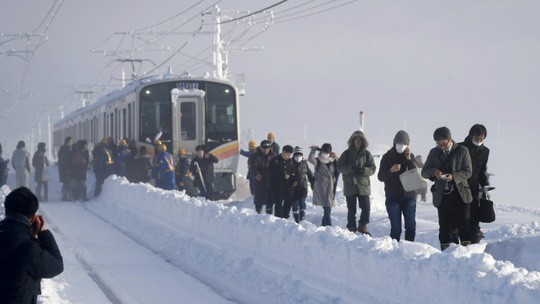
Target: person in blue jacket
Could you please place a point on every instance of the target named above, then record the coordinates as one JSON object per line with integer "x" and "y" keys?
{"x": 165, "y": 167}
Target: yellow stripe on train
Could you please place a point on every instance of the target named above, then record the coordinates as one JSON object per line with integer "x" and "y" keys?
{"x": 227, "y": 150}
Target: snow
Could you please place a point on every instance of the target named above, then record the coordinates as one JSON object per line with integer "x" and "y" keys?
{"x": 139, "y": 244}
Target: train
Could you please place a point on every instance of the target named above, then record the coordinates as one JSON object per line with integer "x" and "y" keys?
{"x": 182, "y": 110}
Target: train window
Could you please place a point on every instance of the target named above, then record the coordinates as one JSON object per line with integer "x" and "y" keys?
{"x": 188, "y": 121}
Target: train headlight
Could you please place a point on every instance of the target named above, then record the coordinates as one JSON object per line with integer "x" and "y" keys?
{"x": 227, "y": 91}
{"x": 148, "y": 92}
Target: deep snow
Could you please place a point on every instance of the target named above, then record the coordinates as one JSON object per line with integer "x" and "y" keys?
{"x": 139, "y": 244}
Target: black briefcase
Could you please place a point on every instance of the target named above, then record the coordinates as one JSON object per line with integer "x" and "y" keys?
{"x": 487, "y": 212}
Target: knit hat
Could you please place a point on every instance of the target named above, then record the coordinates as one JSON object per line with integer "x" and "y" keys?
{"x": 23, "y": 201}
{"x": 298, "y": 150}
{"x": 402, "y": 138}
{"x": 288, "y": 149}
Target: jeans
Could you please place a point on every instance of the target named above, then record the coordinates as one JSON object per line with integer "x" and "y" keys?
{"x": 299, "y": 208}
{"x": 364, "y": 204}
{"x": 407, "y": 207}
{"x": 326, "y": 220}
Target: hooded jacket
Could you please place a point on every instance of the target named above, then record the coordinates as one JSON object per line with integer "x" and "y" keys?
{"x": 356, "y": 183}
{"x": 25, "y": 260}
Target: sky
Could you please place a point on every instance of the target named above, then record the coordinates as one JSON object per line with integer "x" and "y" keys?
{"x": 139, "y": 244}
{"x": 412, "y": 65}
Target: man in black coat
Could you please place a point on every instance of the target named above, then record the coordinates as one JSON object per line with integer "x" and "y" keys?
{"x": 64, "y": 167}
{"x": 479, "y": 179}
{"x": 202, "y": 166}
{"x": 281, "y": 181}
{"x": 259, "y": 162}
{"x": 28, "y": 251}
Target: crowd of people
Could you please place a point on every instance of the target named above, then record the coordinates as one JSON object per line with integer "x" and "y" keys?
{"x": 279, "y": 180}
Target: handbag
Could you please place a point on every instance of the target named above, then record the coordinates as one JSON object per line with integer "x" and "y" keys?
{"x": 487, "y": 212}
{"x": 412, "y": 180}
{"x": 46, "y": 174}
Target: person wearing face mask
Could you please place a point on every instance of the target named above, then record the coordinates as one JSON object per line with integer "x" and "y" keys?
{"x": 399, "y": 202}
{"x": 357, "y": 165}
{"x": 326, "y": 175}
{"x": 301, "y": 175}
{"x": 479, "y": 178}
{"x": 449, "y": 166}
{"x": 281, "y": 180}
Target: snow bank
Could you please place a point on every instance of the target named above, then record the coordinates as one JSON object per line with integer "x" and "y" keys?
{"x": 264, "y": 259}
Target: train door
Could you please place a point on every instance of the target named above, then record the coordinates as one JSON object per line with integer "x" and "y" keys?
{"x": 188, "y": 123}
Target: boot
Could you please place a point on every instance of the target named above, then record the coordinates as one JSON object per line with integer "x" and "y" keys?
{"x": 363, "y": 229}
{"x": 444, "y": 246}
{"x": 302, "y": 214}
{"x": 296, "y": 217}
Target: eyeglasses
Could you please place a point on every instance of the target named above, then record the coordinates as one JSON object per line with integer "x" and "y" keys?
{"x": 442, "y": 143}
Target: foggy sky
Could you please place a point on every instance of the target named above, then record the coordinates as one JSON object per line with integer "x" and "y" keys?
{"x": 413, "y": 65}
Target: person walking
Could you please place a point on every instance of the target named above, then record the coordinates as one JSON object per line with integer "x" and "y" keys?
{"x": 202, "y": 167}
{"x": 41, "y": 172}
{"x": 357, "y": 165}
{"x": 326, "y": 175}
{"x": 259, "y": 163}
{"x": 479, "y": 153}
{"x": 142, "y": 167}
{"x": 20, "y": 160}
{"x": 301, "y": 174}
{"x": 28, "y": 250}
{"x": 252, "y": 147}
{"x": 399, "y": 202}
{"x": 79, "y": 166}
{"x": 281, "y": 182}
{"x": 103, "y": 162}
{"x": 449, "y": 166}
{"x": 271, "y": 137}
{"x": 64, "y": 167}
{"x": 3, "y": 169}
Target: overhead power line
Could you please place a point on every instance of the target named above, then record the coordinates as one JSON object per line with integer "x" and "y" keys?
{"x": 254, "y": 13}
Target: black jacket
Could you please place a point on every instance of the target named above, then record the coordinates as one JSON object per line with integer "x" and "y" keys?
{"x": 479, "y": 158}
{"x": 279, "y": 168}
{"x": 25, "y": 260}
{"x": 207, "y": 169}
{"x": 392, "y": 185}
{"x": 302, "y": 174}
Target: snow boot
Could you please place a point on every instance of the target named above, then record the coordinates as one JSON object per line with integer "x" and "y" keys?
{"x": 363, "y": 229}
{"x": 296, "y": 217}
{"x": 302, "y": 214}
{"x": 444, "y": 246}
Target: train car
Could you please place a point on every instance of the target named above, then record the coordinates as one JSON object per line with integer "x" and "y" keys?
{"x": 186, "y": 111}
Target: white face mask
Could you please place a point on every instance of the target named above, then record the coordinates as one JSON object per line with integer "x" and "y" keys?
{"x": 400, "y": 148}
{"x": 325, "y": 155}
{"x": 477, "y": 143}
{"x": 298, "y": 158}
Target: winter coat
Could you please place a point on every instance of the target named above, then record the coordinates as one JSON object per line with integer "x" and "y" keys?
{"x": 142, "y": 169}
{"x": 182, "y": 171}
{"x": 207, "y": 170}
{"x": 64, "y": 163}
{"x": 78, "y": 165}
{"x": 25, "y": 260}
{"x": 259, "y": 166}
{"x": 278, "y": 169}
{"x": 392, "y": 184}
{"x": 325, "y": 181}
{"x": 39, "y": 161}
{"x": 275, "y": 148}
{"x": 301, "y": 175}
{"x": 356, "y": 183}
{"x": 120, "y": 160}
{"x": 103, "y": 161}
{"x": 165, "y": 164}
{"x": 461, "y": 167}
{"x": 21, "y": 160}
{"x": 479, "y": 158}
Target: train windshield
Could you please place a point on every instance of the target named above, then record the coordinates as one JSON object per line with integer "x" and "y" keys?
{"x": 221, "y": 124}
{"x": 156, "y": 111}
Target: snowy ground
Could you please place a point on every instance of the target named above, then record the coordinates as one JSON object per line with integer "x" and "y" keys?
{"x": 138, "y": 244}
